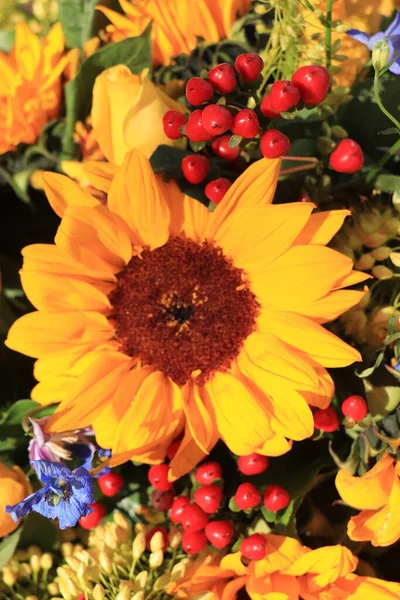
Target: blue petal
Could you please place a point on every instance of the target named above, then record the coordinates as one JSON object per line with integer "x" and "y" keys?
{"x": 394, "y": 27}
{"x": 82, "y": 485}
{"x": 374, "y": 39}
{"x": 70, "y": 512}
{"x": 47, "y": 471}
{"x": 358, "y": 35}
{"x": 395, "y": 68}
{"x": 47, "y": 507}
{"x": 25, "y": 506}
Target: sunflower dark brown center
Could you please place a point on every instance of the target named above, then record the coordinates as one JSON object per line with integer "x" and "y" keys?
{"x": 183, "y": 308}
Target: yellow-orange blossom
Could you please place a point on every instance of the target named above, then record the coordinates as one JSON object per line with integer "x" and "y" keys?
{"x": 158, "y": 319}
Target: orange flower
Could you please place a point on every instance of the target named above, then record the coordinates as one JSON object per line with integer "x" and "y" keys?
{"x": 377, "y": 495}
{"x": 30, "y": 85}
{"x": 14, "y": 487}
{"x": 176, "y": 24}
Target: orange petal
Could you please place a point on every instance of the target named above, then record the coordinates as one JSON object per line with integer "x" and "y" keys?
{"x": 199, "y": 417}
{"x": 329, "y": 563}
{"x": 61, "y": 191}
{"x": 188, "y": 456}
{"x": 100, "y": 174}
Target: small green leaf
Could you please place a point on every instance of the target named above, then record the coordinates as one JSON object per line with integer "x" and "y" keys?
{"x": 235, "y": 141}
{"x": 233, "y": 506}
{"x": 16, "y": 413}
{"x": 288, "y": 116}
{"x": 370, "y": 370}
{"x": 382, "y": 400}
{"x": 8, "y": 547}
{"x": 76, "y": 18}
{"x": 7, "y": 38}
{"x": 222, "y": 101}
{"x": 197, "y": 146}
{"x": 268, "y": 515}
{"x": 388, "y": 183}
{"x": 284, "y": 516}
{"x": 389, "y": 131}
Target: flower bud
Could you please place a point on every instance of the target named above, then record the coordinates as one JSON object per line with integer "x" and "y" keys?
{"x": 382, "y": 272}
{"x": 98, "y": 592}
{"x": 123, "y": 594}
{"x": 175, "y": 537}
{"x": 380, "y": 54}
{"x": 53, "y": 589}
{"x": 9, "y": 577}
{"x": 72, "y": 562}
{"x": 157, "y": 542}
{"x": 162, "y": 582}
{"x": 110, "y": 539}
{"x": 46, "y": 561}
{"x": 139, "y": 545}
{"x": 105, "y": 563}
{"x": 396, "y": 200}
{"x": 178, "y": 571}
{"x": 365, "y": 262}
{"x": 138, "y": 596}
{"x": 156, "y": 559}
{"x": 339, "y": 132}
{"x": 395, "y": 258}
{"x": 120, "y": 520}
{"x": 35, "y": 563}
{"x": 67, "y": 549}
{"x": 31, "y": 598}
{"x": 34, "y": 550}
{"x": 141, "y": 580}
{"x": 381, "y": 253}
{"x": 68, "y": 588}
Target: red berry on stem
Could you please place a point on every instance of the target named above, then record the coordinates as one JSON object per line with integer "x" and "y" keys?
{"x": 193, "y": 541}
{"x": 254, "y": 547}
{"x": 247, "y": 496}
{"x": 245, "y": 123}
{"x": 158, "y": 477}
{"x": 221, "y": 148}
{"x": 208, "y": 498}
{"x": 313, "y": 83}
{"x": 194, "y": 128}
{"x": 208, "y": 472}
{"x": 252, "y": 464}
{"x": 347, "y": 157}
{"x": 355, "y": 408}
{"x": 172, "y": 122}
{"x": 154, "y": 530}
{"x": 249, "y": 66}
{"x": 216, "y": 119}
{"x": 223, "y": 78}
{"x": 162, "y": 500}
{"x": 326, "y": 419}
{"x": 219, "y": 533}
{"x": 276, "y": 498}
{"x": 91, "y": 521}
{"x": 273, "y": 144}
{"x": 198, "y": 90}
{"x": 267, "y": 109}
{"x": 193, "y": 518}
{"x": 216, "y": 189}
{"x": 110, "y": 484}
{"x": 284, "y": 96}
{"x": 178, "y": 506}
{"x": 195, "y": 167}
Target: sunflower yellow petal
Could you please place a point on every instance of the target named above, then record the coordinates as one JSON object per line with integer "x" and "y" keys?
{"x": 322, "y": 226}
{"x": 188, "y": 456}
{"x": 100, "y": 174}
{"x": 329, "y": 307}
{"x": 199, "y": 417}
{"x": 195, "y": 219}
{"x": 61, "y": 191}
{"x": 52, "y": 389}
{"x": 328, "y": 563}
{"x": 351, "y": 279}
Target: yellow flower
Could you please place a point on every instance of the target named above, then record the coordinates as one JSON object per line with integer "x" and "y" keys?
{"x": 157, "y": 318}
{"x": 127, "y": 113}
{"x": 377, "y": 496}
{"x": 14, "y": 487}
{"x": 30, "y": 85}
{"x": 176, "y": 24}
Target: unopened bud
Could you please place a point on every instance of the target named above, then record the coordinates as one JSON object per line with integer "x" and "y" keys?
{"x": 35, "y": 563}
{"x": 32, "y": 550}
{"x": 162, "y": 582}
{"x": 138, "y": 596}
{"x": 139, "y": 545}
{"x": 46, "y": 561}
{"x": 365, "y": 262}
{"x": 395, "y": 258}
{"x": 157, "y": 541}
{"x": 105, "y": 563}
{"x": 156, "y": 559}
{"x": 339, "y": 132}
{"x": 178, "y": 571}
{"x": 68, "y": 588}
{"x": 9, "y": 577}
{"x": 24, "y": 570}
{"x": 141, "y": 579}
{"x": 123, "y": 595}
{"x": 67, "y": 549}
{"x": 82, "y": 574}
{"x": 53, "y": 588}
{"x": 382, "y": 272}
{"x": 110, "y": 539}
{"x": 140, "y": 528}
{"x": 396, "y": 200}
{"x": 31, "y": 598}
{"x": 120, "y": 520}
{"x": 380, "y": 54}
{"x": 98, "y": 592}
{"x": 175, "y": 537}
{"x": 72, "y": 562}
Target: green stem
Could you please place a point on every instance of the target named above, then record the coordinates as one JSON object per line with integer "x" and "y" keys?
{"x": 379, "y": 103}
{"x": 328, "y": 33}
{"x": 385, "y": 158}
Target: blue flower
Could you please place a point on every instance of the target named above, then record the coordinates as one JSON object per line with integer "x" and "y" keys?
{"x": 392, "y": 37}
{"x": 66, "y": 495}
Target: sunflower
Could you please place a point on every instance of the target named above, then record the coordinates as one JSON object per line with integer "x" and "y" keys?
{"x": 158, "y": 319}
{"x": 176, "y": 24}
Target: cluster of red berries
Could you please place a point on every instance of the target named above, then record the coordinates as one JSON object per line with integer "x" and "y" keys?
{"x": 354, "y": 408}
{"x": 110, "y": 484}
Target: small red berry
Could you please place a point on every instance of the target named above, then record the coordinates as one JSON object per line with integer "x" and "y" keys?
{"x": 193, "y": 541}
{"x": 223, "y": 78}
{"x": 247, "y": 496}
{"x": 91, "y": 521}
{"x": 313, "y": 83}
{"x": 245, "y": 123}
{"x": 154, "y": 530}
{"x": 81, "y": 596}
{"x": 216, "y": 119}
{"x": 208, "y": 472}
{"x": 208, "y": 498}
{"x": 252, "y": 464}
{"x": 284, "y": 96}
{"x": 198, "y": 90}
{"x": 194, "y": 128}
{"x": 249, "y": 66}
{"x": 219, "y": 533}
{"x": 158, "y": 477}
{"x": 221, "y": 148}
{"x": 304, "y": 197}
{"x": 267, "y": 109}
{"x": 347, "y": 157}
{"x": 355, "y": 408}
{"x": 195, "y": 167}
{"x": 173, "y": 448}
{"x": 178, "y": 506}
{"x": 326, "y": 419}
{"x": 110, "y": 484}
{"x": 276, "y": 498}
{"x": 274, "y": 144}
{"x": 216, "y": 189}
{"x": 172, "y": 121}
{"x": 194, "y": 518}
{"x": 162, "y": 500}
{"x": 254, "y": 547}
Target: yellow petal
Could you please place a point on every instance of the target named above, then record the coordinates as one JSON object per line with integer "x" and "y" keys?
{"x": 351, "y": 279}
{"x": 61, "y": 191}
{"x": 100, "y": 174}
{"x": 27, "y": 51}
{"x": 199, "y": 417}
{"x": 195, "y": 219}
{"x": 233, "y": 562}
{"x": 321, "y": 227}
{"x": 328, "y": 563}
{"x": 364, "y": 588}
{"x": 329, "y": 307}
{"x": 188, "y": 456}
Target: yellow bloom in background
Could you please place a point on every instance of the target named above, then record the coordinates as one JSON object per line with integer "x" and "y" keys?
{"x": 377, "y": 496}
{"x": 14, "y": 487}
{"x": 157, "y": 318}
{"x": 30, "y": 85}
{"x": 176, "y": 24}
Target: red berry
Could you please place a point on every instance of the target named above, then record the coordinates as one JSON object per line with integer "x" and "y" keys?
{"x": 254, "y": 547}
{"x": 267, "y": 109}
{"x": 208, "y": 472}
{"x": 91, "y": 521}
{"x": 249, "y": 66}
{"x": 245, "y": 123}
{"x": 216, "y": 119}
{"x": 274, "y": 144}
{"x": 81, "y": 596}
{"x": 195, "y": 167}
{"x": 154, "y": 530}
{"x": 158, "y": 477}
{"x": 347, "y": 157}
{"x": 193, "y": 518}
{"x": 162, "y": 500}
{"x": 177, "y": 508}
{"x": 276, "y": 498}
{"x": 110, "y": 484}
{"x": 172, "y": 121}
{"x": 198, "y": 90}
{"x": 193, "y": 541}
{"x": 223, "y": 78}
{"x": 173, "y": 448}
{"x": 355, "y": 408}
{"x": 252, "y": 464}
{"x": 247, "y": 496}
{"x": 313, "y": 83}
{"x": 208, "y": 498}
{"x": 216, "y": 189}
{"x": 326, "y": 419}
{"x": 304, "y": 197}
{"x": 221, "y": 148}
{"x": 194, "y": 128}
{"x": 219, "y": 533}
{"x": 284, "y": 96}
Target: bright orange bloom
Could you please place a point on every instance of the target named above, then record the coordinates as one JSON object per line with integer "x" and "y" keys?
{"x": 157, "y": 318}
{"x": 377, "y": 495}
{"x": 176, "y": 24}
{"x": 30, "y": 85}
{"x": 14, "y": 487}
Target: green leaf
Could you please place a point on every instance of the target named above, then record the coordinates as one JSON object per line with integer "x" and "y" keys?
{"x": 8, "y": 547}
{"x": 388, "y": 183}
{"x": 233, "y": 506}
{"x": 7, "y": 38}
{"x": 235, "y": 141}
{"x": 268, "y": 515}
{"x": 17, "y": 412}
{"x": 382, "y": 400}
{"x": 370, "y": 370}
{"x": 39, "y": 530}
{"x": 197, "y": 146}
{"x": 76, "y": 18}
{"x": 390, "y": 131}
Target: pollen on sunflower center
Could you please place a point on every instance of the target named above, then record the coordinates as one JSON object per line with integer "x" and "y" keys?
{"x": 183, "y": 308}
